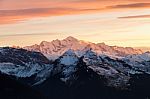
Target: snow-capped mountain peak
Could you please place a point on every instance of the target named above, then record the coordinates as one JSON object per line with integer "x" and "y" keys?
{"x": 69, "y": 58}
{"x": 70, "y": 38}
{"x": 54, "y": 49}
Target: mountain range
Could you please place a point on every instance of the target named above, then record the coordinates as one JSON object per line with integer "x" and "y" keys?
{"x": 71, "y": 68}
{"x": 56, "y": 48}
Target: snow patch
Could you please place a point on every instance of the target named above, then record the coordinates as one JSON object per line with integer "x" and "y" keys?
{"x": 69, "y": 58}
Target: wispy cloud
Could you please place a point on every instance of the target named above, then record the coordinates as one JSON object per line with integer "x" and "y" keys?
{"x": 29, "y": 34}
{"x": 132, "y": 17}
{"x": 37, "y": 11}
{"x": 132, "y": 5}
{"x": 11, "y": 16}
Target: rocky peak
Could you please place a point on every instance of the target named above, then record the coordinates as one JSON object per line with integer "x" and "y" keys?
{"x": 69, "y": 58}
{"x": 70, "y": 38}
{"x": 43, "y": 43}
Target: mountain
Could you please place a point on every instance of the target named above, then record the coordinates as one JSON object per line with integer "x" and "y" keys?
{"x": 52, "y": 50}
{"x": 24, "y": 64}
{"x": 95, "y": 77}
{"x": 30, "y": 65}
{"x": 77, "y": 69}
{"x": 116, "y": 71}
{"x": 65, "y": 65}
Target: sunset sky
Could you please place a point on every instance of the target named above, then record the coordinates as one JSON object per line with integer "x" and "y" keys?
{"x": 115, "y": 22}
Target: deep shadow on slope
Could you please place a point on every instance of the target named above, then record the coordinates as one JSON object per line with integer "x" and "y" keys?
{"x": 140, "y": 86}
{"x": 84, "y": 84}
{"x": 12, "y": 89}
{"x": 93, "y": 88}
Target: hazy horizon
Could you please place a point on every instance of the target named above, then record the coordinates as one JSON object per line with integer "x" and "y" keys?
{"x": 115, "y": 22}
{"x": 142, "y": 48}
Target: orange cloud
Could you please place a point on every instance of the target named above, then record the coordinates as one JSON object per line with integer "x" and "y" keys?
{"x": 23, "y": 9}
{"x": 133, "y": 5}
{"x": 29, "y": 34}
{"x": 11, "y": 16}
{"x": 137, "y": 16}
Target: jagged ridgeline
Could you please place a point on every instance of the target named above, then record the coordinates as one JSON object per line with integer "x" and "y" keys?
{"x": 65, "y": 69}
{"x": 56, "y": 48}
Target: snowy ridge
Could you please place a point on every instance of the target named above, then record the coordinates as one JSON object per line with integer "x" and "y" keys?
{"x": 22, "y": 63}
{"x": 66, "y": 64}
{"x": 56, "y": 48}
{"x": 140, "y": 61}
{"x": 69, "y": 58}
{"x": 116, "y": 69}
{"x": 139, "y": 58}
